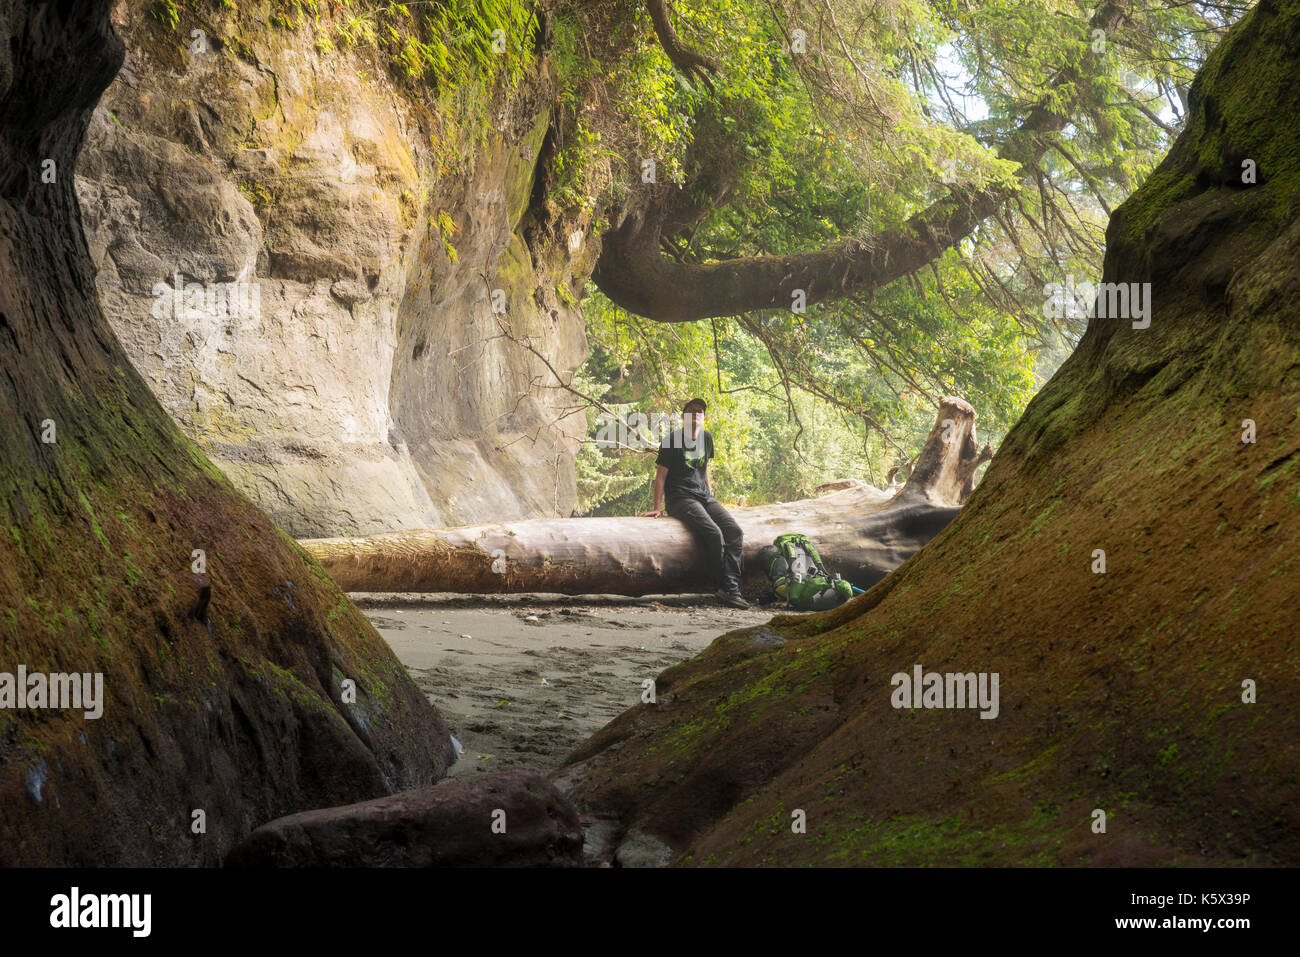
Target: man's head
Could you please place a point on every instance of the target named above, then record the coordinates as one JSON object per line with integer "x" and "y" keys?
{"x": 693, "y": 416}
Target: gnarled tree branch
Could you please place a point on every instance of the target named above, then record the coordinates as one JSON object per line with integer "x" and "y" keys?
{"x": 633, "y": 273}
{"x": 692, "y": 64}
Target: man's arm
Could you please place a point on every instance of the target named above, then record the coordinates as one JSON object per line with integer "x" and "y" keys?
{"x": 708, "y": 437}
{"x": 661, "y": 475}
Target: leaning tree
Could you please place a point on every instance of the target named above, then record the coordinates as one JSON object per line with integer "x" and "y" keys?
{"x": 680, "y": 250}
{"x": 896, "y": 178}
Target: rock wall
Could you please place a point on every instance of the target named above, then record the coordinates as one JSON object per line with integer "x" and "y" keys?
{"x": 1160, "y": 688}
{"x": 224, "y": 696}
{"x": 368, "y": 385}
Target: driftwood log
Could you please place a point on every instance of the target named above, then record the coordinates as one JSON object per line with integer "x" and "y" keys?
{"x": 860, "y": 531}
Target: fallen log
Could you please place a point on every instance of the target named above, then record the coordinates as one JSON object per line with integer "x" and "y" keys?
{"x": 861, "y": 532}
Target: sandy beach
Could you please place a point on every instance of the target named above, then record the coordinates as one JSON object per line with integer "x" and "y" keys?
{"x": 523, "y": 679}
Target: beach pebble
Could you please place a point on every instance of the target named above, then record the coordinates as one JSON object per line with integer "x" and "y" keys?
{"x": 467, "y": 636}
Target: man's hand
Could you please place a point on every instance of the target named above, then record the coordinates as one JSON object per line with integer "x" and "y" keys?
{"x": 654, "y": 513}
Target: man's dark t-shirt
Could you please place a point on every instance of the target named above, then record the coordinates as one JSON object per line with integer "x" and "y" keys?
{"x": 686, "y": 460}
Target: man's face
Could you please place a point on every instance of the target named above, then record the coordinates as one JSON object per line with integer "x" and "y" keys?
{"x": 693, "y": 421}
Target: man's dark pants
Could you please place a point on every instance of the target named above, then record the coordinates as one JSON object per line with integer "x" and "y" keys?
{"x": 717, "y": 533}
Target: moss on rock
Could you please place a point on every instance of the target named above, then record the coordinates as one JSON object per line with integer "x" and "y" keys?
{"x": 1120, "y": 692}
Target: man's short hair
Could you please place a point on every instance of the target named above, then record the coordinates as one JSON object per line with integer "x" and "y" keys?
{"x": 695, "y": 405}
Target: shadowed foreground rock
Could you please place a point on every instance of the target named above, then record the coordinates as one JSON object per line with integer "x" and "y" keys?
{"x": 1161, "y": 691}
{"x": 245, "y": 688}
{"x": 451, "y": 825}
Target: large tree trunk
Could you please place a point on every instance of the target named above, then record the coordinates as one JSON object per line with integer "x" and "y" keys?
{"x": 861, "y": 532}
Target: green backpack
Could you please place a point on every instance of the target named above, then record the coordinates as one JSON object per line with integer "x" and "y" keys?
{"x": 798, "y": 576}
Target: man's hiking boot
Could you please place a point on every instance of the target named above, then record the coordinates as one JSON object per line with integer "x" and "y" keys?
{"x": 732, "y": 598}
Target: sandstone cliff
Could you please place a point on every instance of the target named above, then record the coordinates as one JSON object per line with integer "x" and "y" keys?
{"x": 372, "y": 389}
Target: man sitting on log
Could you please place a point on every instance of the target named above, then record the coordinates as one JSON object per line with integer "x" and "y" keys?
{"x": 682, "y": 490}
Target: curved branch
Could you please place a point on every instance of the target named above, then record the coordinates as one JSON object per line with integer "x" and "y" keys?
{"x": 633, "y": 273}
{"x": 691, "y": 64}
